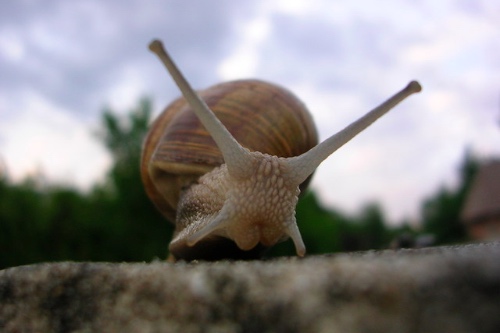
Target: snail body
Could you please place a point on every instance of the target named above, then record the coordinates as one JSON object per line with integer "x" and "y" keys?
{"x": 227, "y": 164}
{"x": 178, "y": 150}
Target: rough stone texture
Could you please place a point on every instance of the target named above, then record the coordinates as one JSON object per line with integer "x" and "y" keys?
{"x": 455, "y": 289}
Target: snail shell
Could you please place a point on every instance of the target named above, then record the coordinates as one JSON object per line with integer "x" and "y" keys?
{"x": 178, "y": 150}
{"x": 267, "y": 143}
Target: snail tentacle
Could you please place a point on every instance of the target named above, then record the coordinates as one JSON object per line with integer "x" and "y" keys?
{"x": 292, "y": 230}
{"x": 304, "y": 165}
{"x": 217, "y": 223}
{"x": 235, "y": 156}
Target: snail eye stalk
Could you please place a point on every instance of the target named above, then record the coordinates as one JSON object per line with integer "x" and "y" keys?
{"x": 235, "y": 156}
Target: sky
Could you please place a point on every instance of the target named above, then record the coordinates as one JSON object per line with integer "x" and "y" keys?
{"x": 63, "y": 62}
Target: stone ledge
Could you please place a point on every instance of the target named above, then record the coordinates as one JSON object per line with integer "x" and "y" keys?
{"x": 445, "y": 289}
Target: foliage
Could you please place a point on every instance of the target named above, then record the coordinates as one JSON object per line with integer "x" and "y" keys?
{"x": 142, "y": 232}
{"x": 441, "y": 213}
{"x": 115, "y": 221}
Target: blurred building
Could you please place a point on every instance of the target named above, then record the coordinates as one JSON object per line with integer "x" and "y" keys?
{"x": 481, "y": 213}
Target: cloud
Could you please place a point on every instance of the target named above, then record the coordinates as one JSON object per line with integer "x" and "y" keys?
{"x": 44, "y": 139}
{"x": 61, "y": 62}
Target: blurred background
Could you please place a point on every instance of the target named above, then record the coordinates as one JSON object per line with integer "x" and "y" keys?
{"x": 78, "y": 90}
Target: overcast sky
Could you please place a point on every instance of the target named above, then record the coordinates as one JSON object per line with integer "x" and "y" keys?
{"x": 61, "y": 62}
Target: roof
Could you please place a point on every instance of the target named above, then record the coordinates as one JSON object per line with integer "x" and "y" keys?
{"x": 483, "y": 200}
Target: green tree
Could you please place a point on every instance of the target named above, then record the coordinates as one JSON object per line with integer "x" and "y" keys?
{"x": 139, "y": 230}
{"x": 372, "y": 229}
{"x": 21, "y": 221}
{"x": 441, "y": 212}
{"x": 115, "y": 221}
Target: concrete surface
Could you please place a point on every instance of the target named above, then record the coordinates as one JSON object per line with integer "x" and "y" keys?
{"x": 445, "y": 289}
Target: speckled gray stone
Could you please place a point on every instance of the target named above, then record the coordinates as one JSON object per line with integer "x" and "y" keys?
{"x": 455, "y": 289}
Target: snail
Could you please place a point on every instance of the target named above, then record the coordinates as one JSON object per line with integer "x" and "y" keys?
{"x": 230, "y": 178}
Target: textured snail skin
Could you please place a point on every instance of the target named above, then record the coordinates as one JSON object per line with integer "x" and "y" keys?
{"x": 251, "y": 198}
{"x": 249, "y": 218}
